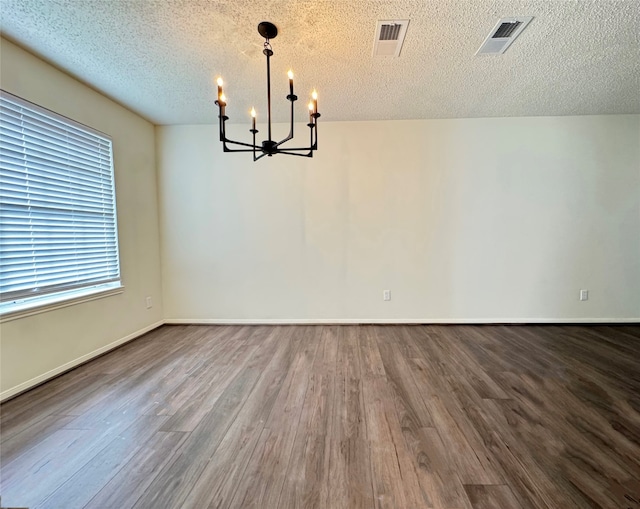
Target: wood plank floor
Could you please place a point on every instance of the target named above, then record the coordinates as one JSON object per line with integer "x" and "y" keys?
{"x": 455, "y": 417}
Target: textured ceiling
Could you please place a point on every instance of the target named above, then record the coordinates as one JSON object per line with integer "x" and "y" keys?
{"x": 160, "y": 57}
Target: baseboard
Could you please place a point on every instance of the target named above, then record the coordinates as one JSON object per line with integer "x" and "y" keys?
{"x": 30, "y": 384}
{"x": 390, "y": 321}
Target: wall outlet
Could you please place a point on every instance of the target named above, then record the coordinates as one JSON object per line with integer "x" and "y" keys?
{"x": 584, "y": 294}
{"x": 149, "y": 303}
{"x": 386, "y": 295}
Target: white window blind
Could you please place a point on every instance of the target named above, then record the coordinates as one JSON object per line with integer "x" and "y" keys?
{"x": 58, "y": 228}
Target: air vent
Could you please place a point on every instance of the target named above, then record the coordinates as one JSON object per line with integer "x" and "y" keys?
{"x": 503, "y": 35}
{"x": 389, "y": 37}
{"x": 506, "y": 29}
{"x": 389, "y": 32}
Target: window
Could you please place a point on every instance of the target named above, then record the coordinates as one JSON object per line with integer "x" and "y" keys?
{"x": 58, "y": 231}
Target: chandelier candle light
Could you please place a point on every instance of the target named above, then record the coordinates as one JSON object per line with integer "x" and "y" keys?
{"x": 269, "y": 147}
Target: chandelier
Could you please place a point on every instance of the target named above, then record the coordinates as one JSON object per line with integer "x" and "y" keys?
{"x": 270, "y": 147}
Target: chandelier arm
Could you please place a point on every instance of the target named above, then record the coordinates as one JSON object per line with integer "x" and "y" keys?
{"x": 290, "y": 136}
{"x": 312, "y": 128}
{"x": 291, "y": 98}
{"x": 225, "y": 148}
{"x": 314, "y": 132}
{"x": 226, "y": 140}
{"x": 313, "y": 142}
{"x": 222, "y": 118}
{"x": 254, "y": 131}
{"x": 310, "y": 154}
{"x": 298, "y": 149}
{"x": 237, "y": 149}
{"x": 223, "y": 134}
{"x": 259, "y": 157}
{"x": 223, "y": 131}
{"x": 283, "y": 141}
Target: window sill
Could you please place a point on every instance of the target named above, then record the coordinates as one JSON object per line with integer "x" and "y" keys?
{"x": 14, "y": 310}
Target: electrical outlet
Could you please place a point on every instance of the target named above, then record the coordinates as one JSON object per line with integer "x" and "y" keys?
{"x": 584, "y": 294}
{"x": 149, "y": 303}
{"x": 386, "y": 295}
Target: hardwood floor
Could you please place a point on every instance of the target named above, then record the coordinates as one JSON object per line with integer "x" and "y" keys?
{"x": 336, "y": 417}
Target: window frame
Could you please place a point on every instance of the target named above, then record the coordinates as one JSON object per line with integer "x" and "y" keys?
{"x": 70, "y": 294}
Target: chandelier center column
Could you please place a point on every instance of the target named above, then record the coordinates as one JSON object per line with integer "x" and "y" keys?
{"x": 268, "y": 52}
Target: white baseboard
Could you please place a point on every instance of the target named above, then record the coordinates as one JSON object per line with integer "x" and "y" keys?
{"x": 390, "y": 321}
{"x": 29, "y": 384}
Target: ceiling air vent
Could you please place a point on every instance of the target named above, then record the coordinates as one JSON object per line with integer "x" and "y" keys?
{"x": 503, "y": 34}
{"x": 389, "y": 37}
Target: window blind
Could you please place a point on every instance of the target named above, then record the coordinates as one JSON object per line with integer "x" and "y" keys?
{"x": 58, "y": 227}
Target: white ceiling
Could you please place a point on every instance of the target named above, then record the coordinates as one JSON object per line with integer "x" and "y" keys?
{"x": 160, "y": 57}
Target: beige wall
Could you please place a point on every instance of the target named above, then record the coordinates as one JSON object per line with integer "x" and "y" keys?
{"x": 463, "y": 220}
{"x": 36, "y": 347}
